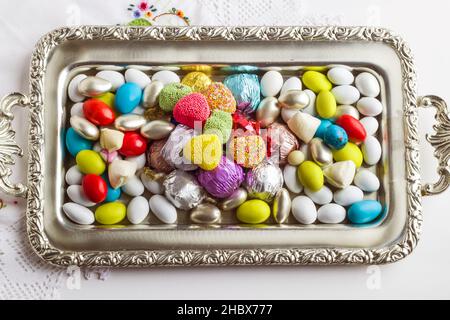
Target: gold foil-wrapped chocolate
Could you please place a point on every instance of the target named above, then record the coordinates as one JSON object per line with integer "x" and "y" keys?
{"x": 198, "y": 67}
{"x": 197, "y": 80}
{"x": 155, "y": 113}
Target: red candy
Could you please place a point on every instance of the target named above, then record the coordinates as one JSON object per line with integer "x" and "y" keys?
{"x": 94, "y": 188}
{"x": 133, "y": 144}
{"x": 190, "y": 109}
{"x": 353, "y": 127}
{"x": 98, "y": 112}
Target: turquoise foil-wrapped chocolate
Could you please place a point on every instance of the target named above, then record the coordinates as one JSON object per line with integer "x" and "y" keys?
{"x": 240, "y": 68}
{"x": 246, "y": 90}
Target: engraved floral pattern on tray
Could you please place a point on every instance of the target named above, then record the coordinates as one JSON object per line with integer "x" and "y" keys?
{"x": 35, "y": 196}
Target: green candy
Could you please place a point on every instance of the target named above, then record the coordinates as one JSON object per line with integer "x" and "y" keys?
{"x": 170, "y": 95}
{"x": 219, "y": 123}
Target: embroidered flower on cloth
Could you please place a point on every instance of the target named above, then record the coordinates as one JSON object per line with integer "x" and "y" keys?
{"x": 143, "y": 6}
{"x": 136, "y": 14}
{"x": 180, "y": 13}
{"x": 142, "y": 13}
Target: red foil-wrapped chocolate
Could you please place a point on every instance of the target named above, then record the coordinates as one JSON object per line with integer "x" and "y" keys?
{"x": 155, "y": 158}
{"x": 280, "y": 142}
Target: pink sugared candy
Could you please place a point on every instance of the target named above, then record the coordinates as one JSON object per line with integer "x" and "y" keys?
{"x": 108, "y": 156}
{"x": 190, "y": 109}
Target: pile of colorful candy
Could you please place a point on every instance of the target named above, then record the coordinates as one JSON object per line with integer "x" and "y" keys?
{"x": 255, "y": 147}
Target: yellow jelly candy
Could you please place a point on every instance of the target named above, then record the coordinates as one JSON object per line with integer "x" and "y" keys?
{"x": 326, "y": 104}
{"x": 107, "y": 98}
{"x": 110, "y": 213}
{"x": 204, "y": 150}
{"x": 310, "y": 175}
{"x": 90, "y": 162}
{"x": 349, "y": 152}
{"x": 253, "y": 211}
{"x": 316, "y": 81}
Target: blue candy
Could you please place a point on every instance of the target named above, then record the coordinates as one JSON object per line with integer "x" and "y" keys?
{"x": 75, "y": 143}
{"x": 364, "y": 211}
{"x": 128, "y": 97}
{"x": 113, "y": 194}
{"x": 324, "y": 124}
{"x": 335, "y": 137}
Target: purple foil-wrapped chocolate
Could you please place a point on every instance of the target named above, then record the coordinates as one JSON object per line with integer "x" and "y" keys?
{"x": 281, "y": 142}
{"x": 172, "y": 151}
{"x": 155, "y": 158}
{"x": 264, "y": 181}
{"x": 223, "y": 180}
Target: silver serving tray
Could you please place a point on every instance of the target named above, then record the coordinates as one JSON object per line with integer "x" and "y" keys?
{"x": 64, "y": 52}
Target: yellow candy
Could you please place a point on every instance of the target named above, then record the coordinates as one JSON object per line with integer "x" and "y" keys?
{"x": 253, "y": 211}
{"x": 204, "y": 150}
{"x": 90, "y": 162}
{"x": 107, "y": 98}
{"x": 310, "y": 175}
{"x": 326, "y": 104}
{"x": 349, "y": 152}
{"x": 110, "y": 213}
{"x": 316, "y": 81}
{"x": 197, "y": 80}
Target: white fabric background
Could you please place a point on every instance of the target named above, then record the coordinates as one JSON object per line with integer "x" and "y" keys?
{"x": 425, "y": 274}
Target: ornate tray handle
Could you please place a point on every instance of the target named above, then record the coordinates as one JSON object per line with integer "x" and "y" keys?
{"x": 8, "y": 146}
{"x": 440, "y": 141}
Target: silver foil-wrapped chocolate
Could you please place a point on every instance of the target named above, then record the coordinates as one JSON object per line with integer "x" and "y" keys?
{"x": 280, "y": 142}
{"x": 172, "y": 151}
{"x": 264, "y": 181}
{"x": 183, "y": 190}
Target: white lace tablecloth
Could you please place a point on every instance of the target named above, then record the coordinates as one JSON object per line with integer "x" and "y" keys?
{"x": 24, "y": 276}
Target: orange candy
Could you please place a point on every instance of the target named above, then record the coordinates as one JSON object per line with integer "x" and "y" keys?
{"x": 248, "y": 151}
{"x": 220, "y": 97}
